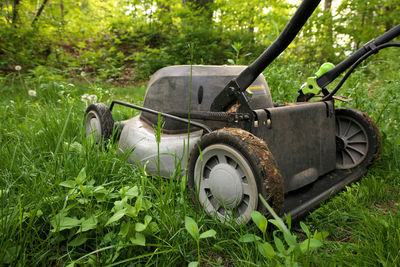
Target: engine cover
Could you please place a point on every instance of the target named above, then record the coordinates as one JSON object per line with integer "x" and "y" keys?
{"x": 169, "y": 91}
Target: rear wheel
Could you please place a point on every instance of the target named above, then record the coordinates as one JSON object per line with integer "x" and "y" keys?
{"x": 358, "y": 140}
{"x": 228, "y": 169}
{"x": 99, "y": 122}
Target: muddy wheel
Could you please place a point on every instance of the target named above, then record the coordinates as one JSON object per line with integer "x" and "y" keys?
{"x": 358, "y": 140}
{"x": 228, "y": 169}
{"x": 99, "y": 122}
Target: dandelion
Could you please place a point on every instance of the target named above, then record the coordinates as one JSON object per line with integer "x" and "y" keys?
{"x": 89, "y": 98}
{"x": 92, "y": 98}
{"x": 32, "y": 92}
{"x": 18, "y": 68}
{"x": 83, "y": 74}
{"x": 84, "y": 98}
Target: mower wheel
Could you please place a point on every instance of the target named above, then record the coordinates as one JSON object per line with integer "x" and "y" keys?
{"x": 358, "y": 141}
{"x": 227, "y": 170}
{"x": 99, "y": 122}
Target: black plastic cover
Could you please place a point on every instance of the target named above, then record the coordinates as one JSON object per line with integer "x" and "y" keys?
{"x": 302, "y": 139}
{"x": 168, "y": 91}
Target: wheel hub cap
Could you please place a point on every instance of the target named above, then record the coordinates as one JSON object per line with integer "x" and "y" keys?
{"x": 225, "y": 185}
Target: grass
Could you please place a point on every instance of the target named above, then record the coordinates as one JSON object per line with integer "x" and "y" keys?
{"x": 64, "y": 201}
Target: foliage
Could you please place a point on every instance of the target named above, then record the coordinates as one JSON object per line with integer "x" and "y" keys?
{"x": 280, "y": 255}
{"x": 130, "y": 40}
{"x": 193, "y": 229}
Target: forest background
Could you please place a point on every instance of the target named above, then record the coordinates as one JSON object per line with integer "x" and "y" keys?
{"x": 129, "y": 40}
{"x": 64, "y": 201}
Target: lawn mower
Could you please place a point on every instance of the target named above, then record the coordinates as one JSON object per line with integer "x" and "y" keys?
{"x": 239, "y": 143}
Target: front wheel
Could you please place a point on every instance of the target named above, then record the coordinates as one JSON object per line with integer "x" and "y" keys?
{"x": 99, "y": 122}
{"x": 228, "y": 169}
{"x": 358, "y": 141}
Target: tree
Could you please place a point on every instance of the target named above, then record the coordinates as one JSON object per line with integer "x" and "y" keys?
{"x": 39, "y": 12}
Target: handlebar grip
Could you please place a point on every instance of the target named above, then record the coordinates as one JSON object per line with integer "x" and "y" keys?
{"x": 331, "y": 75}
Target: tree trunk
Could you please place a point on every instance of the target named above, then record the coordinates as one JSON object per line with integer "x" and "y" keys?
{"x": 327, "y": 5}
{"x": 40, "y": 10}
{"x": 14, "y": 12}
{"x": 328, "y": 53}
{"x": 62, "y": 11}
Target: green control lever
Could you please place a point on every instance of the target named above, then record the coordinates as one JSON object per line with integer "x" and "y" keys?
{"x": 311, "y": 87}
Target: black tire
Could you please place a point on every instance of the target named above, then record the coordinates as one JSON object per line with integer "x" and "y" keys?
{"x": 358, "y": 141}
{"x": 234, "y": 159}
{"x": 99, "y": 122}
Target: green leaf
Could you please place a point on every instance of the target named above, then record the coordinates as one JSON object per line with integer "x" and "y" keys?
{"x": 88, "y": 224}
{"x": 207, "y": 234}
{"x": 320, "y": 235}
{"x": 305, "y": 229}
{"x": 132, "y": 192}
{"x": 192, "y": 228}
{"x": 120, "y": 204}
{"x": 279, "y": 245}
{"x": 231, "y": 61}
{"x": 139, "y": 239}
{"x": 130, "y": 211}
{"x": 259, "y": 220}
{"x": 288, "y": 220}
{"x": 146, "y": 204}
{"x": 276, "y": 223}
{"x": 147, "y": 219}
{"x": 61, "y": 222}
{"x": 68, "y": 184}
{"x": 249, "y": 238}
{"x": 153, "y": 226}
{"x": 100, "y": 193}
{"x": 310, "y": 244}
{"x": 138, "y": 204}
{"x": 278, "y": 220}
{"x": 124, "y": 229}
{"x": 290, "y": 239}
{"x": 81, "y": 176}
{"x": 193, "y": 264}
{"x": 140, "y": 227}
{"x": 129, "y": 192}
{"x": 266, "y": 250}
{"x": 79, "y": 240}
{"x": 118, "y": 215}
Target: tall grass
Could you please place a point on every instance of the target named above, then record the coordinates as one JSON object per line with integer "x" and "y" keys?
{"x": 65, "y": 200}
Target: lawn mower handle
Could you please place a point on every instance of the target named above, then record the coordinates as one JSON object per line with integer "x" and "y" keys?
{"x": 290, "y": 31}
{"x": 332, "y": 74}
{"x": 235, "y": 90}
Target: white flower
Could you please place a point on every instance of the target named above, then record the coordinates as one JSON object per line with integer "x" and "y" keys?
{"x": 89, "y": 98}
{"x": 18, "y": 68}
{"x": 84, "y": 98}
{"x": 32, "y": 92}
{"x": 83, "y": 73}
{"x": 92, "y": 98}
